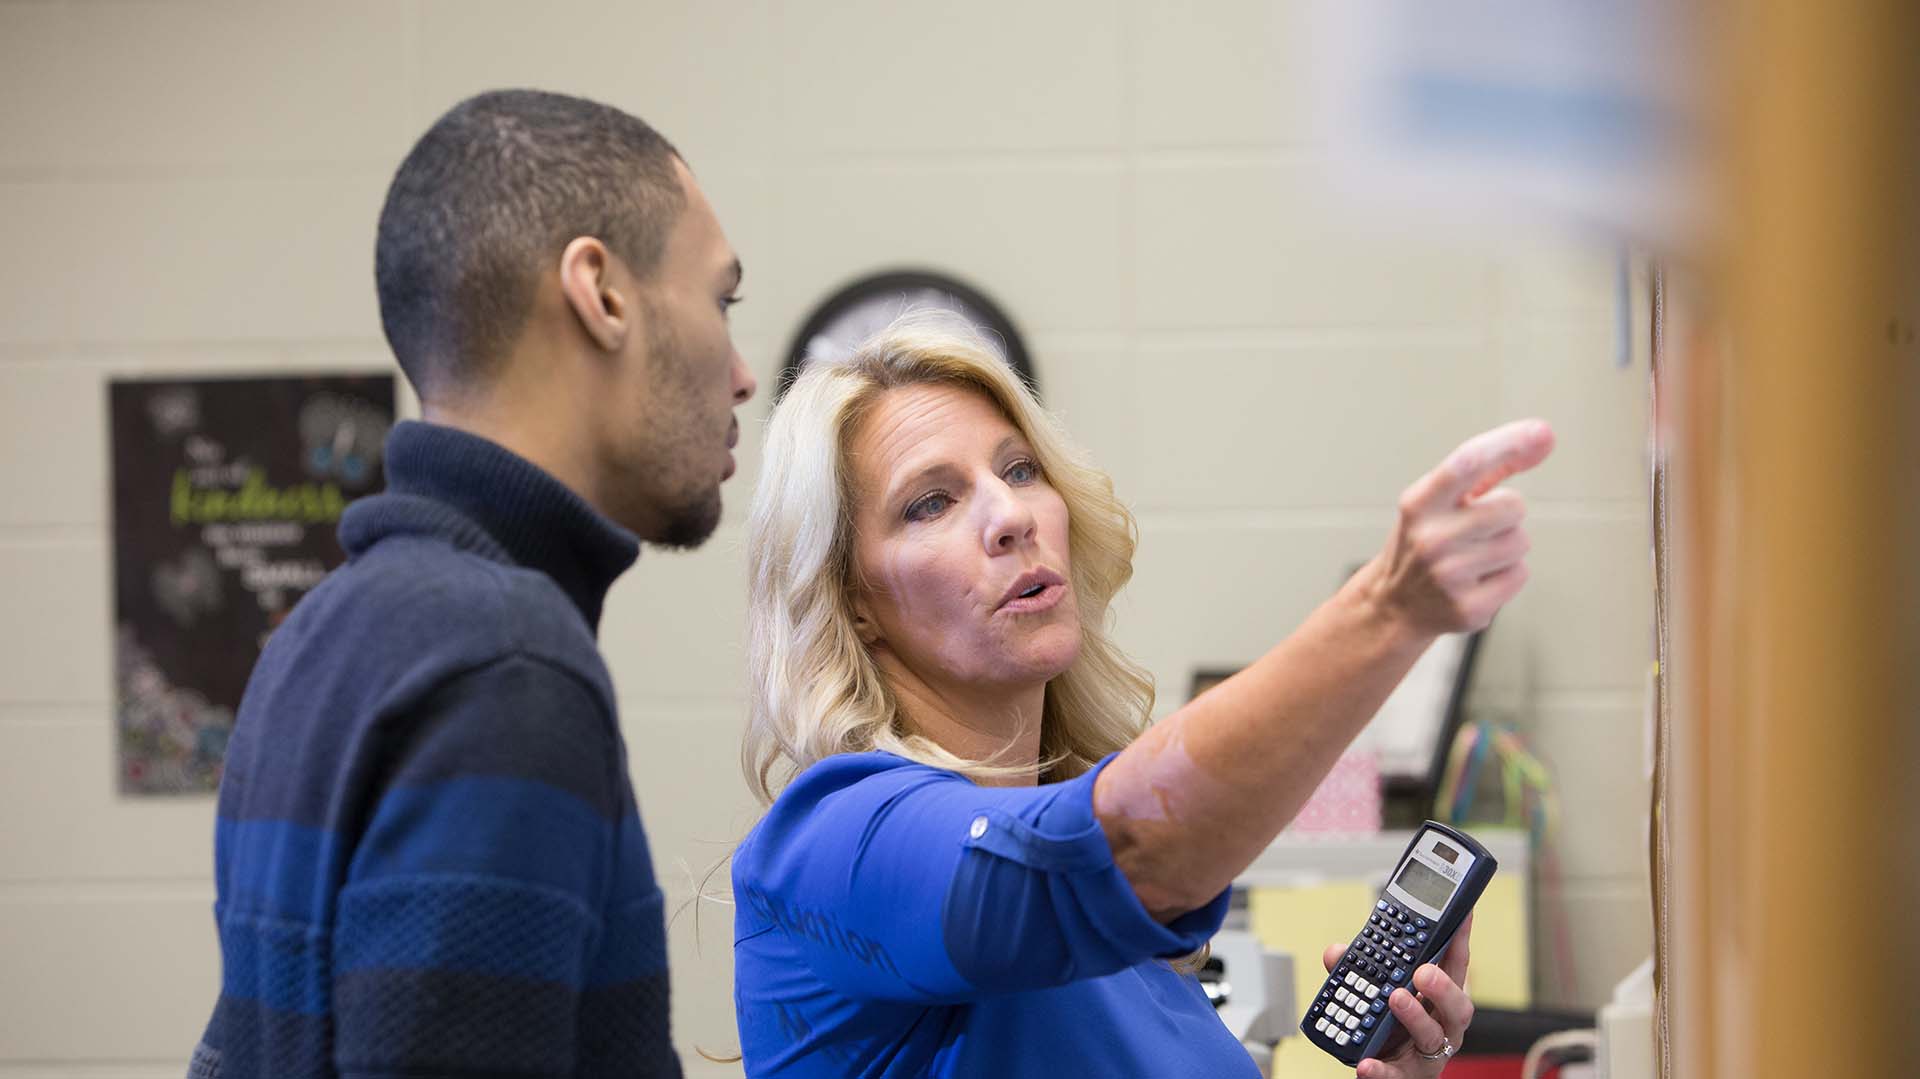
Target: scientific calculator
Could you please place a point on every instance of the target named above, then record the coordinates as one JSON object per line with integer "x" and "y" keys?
{"x": 1440, "y": 876}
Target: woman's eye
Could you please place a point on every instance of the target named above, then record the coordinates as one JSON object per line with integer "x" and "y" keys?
{"x": 928, "y": 506}
{"x": 727, "y": 302}
{"x": 1022, "y": 472}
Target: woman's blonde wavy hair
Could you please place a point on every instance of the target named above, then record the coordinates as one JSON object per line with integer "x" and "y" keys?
{"x": 813, "y": 689}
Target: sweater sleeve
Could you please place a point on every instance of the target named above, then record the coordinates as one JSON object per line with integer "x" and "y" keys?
{"x": 477, "y": 889}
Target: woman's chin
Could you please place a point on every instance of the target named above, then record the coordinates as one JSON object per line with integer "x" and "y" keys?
{"x": 1050, "y": 659}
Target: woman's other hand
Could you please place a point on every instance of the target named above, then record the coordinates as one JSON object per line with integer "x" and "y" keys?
{"x": 1433, "y": 1019}
{"x": 1458, "y": 551}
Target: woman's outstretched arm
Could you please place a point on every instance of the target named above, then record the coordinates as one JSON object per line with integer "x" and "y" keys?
{"x": 1195, "y": 799}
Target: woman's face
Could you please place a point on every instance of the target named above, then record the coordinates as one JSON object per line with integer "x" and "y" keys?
{"x": 960, "y": 544}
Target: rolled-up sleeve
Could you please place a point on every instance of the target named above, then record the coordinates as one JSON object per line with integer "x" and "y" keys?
{"x": 898, "y": 881}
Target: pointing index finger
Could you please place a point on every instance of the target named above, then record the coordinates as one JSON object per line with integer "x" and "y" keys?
{"x": 1484, "y": 461}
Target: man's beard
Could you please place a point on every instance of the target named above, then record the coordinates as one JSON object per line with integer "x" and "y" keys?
{"x": 690, "y": 516}
{"x": 691, "y": 522}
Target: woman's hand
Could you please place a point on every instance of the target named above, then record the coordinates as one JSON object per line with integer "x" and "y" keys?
{"x": 1433, "y": 1023}
{"x": 1457, "y": 553}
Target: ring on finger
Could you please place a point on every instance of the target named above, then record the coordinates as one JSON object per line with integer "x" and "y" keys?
{"x": 1445, "y": 1051}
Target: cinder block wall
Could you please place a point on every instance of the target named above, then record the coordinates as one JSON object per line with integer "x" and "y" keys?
{"x": 191, "y": 186}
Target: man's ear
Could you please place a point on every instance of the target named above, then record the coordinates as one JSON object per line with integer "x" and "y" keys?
{"x": 588, "y": 281}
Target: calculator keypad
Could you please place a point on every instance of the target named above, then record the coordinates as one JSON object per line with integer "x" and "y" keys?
{"x": 1379, "y": 960}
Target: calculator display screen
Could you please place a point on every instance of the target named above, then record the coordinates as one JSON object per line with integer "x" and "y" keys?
{"x": 1421, "y": 882}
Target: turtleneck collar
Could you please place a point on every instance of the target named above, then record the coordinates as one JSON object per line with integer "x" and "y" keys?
{"x": 484, "y": 498}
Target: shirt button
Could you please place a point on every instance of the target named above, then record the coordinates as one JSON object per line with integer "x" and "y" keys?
{"x": 978, "y": 828}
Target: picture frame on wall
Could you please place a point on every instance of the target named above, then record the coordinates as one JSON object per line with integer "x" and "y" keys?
{"x": 227, "y": 493}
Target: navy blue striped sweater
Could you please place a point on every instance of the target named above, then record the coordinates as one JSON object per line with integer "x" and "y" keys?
{"x": 428, "y": 853}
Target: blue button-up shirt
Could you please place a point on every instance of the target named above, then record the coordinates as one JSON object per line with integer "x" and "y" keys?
{"x": 895, "y": 919}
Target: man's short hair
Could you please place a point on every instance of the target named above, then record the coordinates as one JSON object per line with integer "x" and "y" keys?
{"x": 487, "y": 199}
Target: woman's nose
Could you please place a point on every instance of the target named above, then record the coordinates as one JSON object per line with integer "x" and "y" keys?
{"x": 1010, "y": 524}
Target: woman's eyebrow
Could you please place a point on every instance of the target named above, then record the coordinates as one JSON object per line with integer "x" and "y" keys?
{"x": 914, "y": 479}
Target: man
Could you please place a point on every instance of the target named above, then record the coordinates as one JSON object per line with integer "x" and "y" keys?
{"x": 428, "y": 854}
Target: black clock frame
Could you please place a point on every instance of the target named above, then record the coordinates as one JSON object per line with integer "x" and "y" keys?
{"x": 904, "y": 280}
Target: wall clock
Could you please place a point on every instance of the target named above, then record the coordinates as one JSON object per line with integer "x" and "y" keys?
{"x": 862, "y": 308}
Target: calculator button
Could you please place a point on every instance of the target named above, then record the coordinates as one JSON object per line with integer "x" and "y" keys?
{"x": 1373, "y": 992}
{"x": 1367, "y": 1021}
{"x": 1378, "y": 1006}
{"x": 1381, "y": 905}
{"x": 1419, "y": 923}
{"x": 1341, "y": 1038}
{"x": 1399, "y": 975}
{"x": 1351, "y": 1022}
{"x": 1421, "y": 937}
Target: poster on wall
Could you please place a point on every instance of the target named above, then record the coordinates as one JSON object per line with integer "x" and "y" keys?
{"x": 226, "y": 497}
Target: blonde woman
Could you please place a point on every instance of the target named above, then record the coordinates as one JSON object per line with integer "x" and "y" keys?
{"x": 979, "y": 859}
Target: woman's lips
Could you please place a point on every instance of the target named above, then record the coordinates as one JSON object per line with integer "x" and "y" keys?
{"x": 1047, "y": 599}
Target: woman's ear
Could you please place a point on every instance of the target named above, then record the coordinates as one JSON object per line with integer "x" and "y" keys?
{"x": 864, "y": 627}
{"x": 587, "y": 281}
